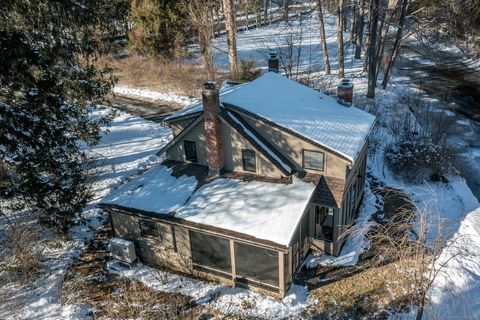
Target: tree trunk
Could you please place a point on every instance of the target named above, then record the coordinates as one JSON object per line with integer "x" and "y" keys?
{"x": 368, "y": 37}
{"x": 231, "y": 26}
{"x": 265, "y": 12}
{"x": 382, "y": 34}
{"x": 372, "y": 49}
{"x": 258, "y": 15}
{"x": 326, "y": 62}
{"x": 396, "y": 45}
{"x": 360, "y": 27}
{"x": 271, "y": 12}
{"x": 341, "y": 67}
{"x": 353, "y": 21}
{"x": 285, "y": 10}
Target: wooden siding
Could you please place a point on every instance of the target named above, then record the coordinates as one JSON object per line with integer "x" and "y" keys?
{"x": 233, "y": 145}
{"x": 179, "y": 125}
{"x": 155, "y": 251}
{"x": 292, "y": 147}
{"x": 197, "y": 134}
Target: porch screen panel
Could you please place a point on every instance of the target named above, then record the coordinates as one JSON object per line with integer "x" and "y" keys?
{"x": 209, "y": 251}
{"x": 256, "y": 263}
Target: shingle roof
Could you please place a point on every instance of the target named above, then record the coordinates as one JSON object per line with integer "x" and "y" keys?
{"x": 302, "y": 110}
{"x": 329, "y": 192}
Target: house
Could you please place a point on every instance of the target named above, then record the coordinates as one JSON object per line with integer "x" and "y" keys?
{"x": 256, "y": 175}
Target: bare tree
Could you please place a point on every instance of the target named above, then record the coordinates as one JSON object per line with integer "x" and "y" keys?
{"x": 231, "y": 25}
{"x": 285, "y": 10}
{"x": 199, "y": 14}
{"x": 359, "y": 29}
{"x": 326, "y": 62}
{"x": 396, "y": 45}
{"x": 340, "y": 23}
{"x": 372, "y": 55}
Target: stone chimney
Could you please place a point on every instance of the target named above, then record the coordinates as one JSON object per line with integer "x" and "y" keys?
{"x": 345, "y": 90}
{"x": 213, "y": 128}
{"x": 273, "y": 61}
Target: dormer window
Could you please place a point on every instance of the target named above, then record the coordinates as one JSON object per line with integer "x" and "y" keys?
{"x": 249, "y": 160}
{"x": 190, "y": 148}
{"x": 313, "y": 160}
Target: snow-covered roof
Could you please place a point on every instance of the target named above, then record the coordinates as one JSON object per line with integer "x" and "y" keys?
{"x": 197, "y": 107}
{"x": 155, "y": 190}
{"x": 305, "y": 111}
{"x": 268, "y": 211}
{"x": 265, "y": 210}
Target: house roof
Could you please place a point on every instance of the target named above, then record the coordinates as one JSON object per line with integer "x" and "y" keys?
{"x": 197, "y": 107}
{"x": 154, "y": 190}
{"x": 329, "y": 192}
{"x": 299, "y": 109}
{"x": 264, "y": 210}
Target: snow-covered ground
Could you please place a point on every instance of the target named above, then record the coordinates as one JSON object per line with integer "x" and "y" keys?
{"x": 128, "y": 148}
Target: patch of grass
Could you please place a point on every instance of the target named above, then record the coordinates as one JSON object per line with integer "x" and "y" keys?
{"x": 366, "y": 294}
{"x": 179, "y": 76}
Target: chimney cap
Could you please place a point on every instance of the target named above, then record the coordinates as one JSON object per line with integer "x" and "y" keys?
{"x": 210, "y": 85}
{"x": 273, "y": 53}
{"x": 345, "y": 83}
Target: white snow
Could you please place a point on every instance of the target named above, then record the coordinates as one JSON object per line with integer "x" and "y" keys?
{"x": 198, "y": 106}
{"x": 305, "y": 111}
{"x": 152, "y": 95}
{"x": 155, "y": 190}
{"x": 264, "y": 147}
{"x": 269, "y": 211}
{"x": 456, "y": 291}
{"x": 128, "y": 148}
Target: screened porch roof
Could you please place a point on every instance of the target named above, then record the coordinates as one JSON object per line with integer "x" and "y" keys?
{"x": 264, "y": 210}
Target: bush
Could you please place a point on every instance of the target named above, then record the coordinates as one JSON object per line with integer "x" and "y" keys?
{"x": 417, "y": 160}
{"x": 248, "y": 70}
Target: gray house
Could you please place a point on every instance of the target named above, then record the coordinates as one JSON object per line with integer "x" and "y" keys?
{"x": 256, "y": 175}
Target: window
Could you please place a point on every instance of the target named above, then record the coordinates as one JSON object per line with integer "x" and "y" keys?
{"x": 190, "y": 151}
{"x": 324, "y": 223}
{"x": 211, "y": 252}
{"x": 256, "y": 263}
{"x": 249, "y": 160}
{"x": 353, "y": 201}
{"x": 148, "y": 228}
{"x": 313, "y": 160}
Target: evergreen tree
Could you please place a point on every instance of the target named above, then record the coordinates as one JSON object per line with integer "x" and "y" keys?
{"x": 157, "y": 27}
{"x": 48, "y": 86}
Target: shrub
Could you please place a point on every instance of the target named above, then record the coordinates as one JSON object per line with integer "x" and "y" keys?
{"x": 417, "y": 160}
{"x": 248, "y": 70}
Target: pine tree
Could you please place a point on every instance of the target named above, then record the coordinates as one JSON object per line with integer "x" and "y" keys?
{"x": 48, "y": 86}
{"x": 158, "y": 27}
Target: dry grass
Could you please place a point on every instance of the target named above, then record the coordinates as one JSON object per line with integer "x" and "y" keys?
{"x": 21, "y": 255}
{"x": 157, "y": 74}
{"x": 366, "y": 294}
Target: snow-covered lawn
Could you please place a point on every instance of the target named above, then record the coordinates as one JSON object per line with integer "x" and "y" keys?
{"x": 127, "y": 149}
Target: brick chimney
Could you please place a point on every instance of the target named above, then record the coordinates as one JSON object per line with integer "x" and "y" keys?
{"x": 273, "y": 61}
{"x": 345, "y": 90}
{"x": 213, "y": 128}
